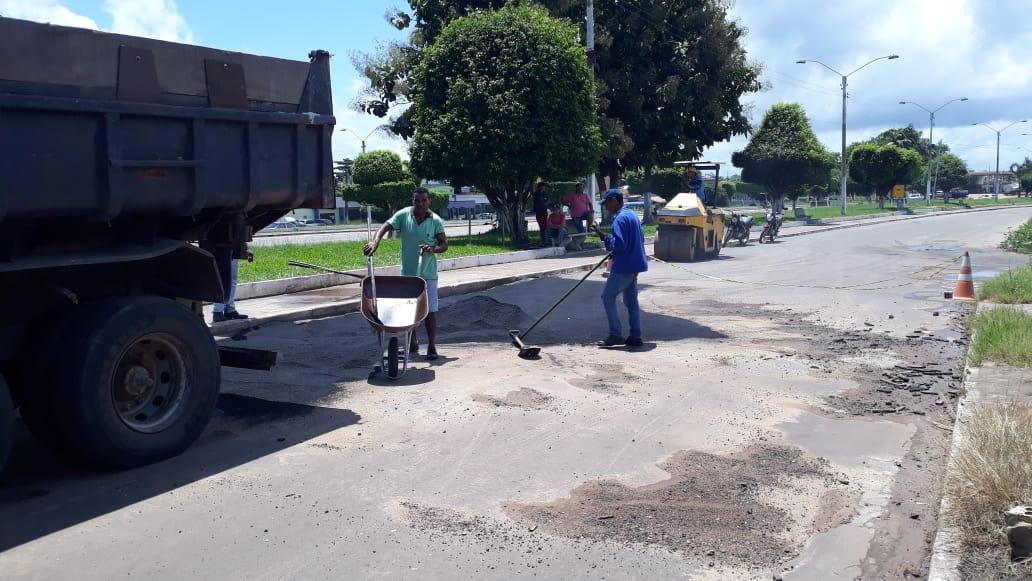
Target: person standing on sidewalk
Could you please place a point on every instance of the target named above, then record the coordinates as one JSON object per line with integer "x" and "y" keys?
{"x": 421, "y": 230}
{"x": 541, "y": 209}
{"x": 627, "y": 243}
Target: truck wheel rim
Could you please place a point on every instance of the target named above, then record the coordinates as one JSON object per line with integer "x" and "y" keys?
{"x": 149, "y": 383}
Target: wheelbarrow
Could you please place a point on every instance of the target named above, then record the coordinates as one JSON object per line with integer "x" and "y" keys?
{"x": 394, "y": 306}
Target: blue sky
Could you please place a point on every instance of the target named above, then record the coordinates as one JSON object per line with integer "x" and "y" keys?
{"x": 979, "y": 49}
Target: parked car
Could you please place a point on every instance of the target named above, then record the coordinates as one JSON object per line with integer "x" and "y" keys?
{"x": 319, "y": 222}
{"x": 282, "y": 225}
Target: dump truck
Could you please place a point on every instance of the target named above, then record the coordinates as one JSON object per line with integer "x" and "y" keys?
{"x": 688, "y": 230}
{"x": 132, "y": 173}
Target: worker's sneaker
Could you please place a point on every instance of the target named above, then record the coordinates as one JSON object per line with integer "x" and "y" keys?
{"x": 218, "y": 317}
{"x": 633, "y": 342}
{"x": 234, "y": 315}
{"x": 431, "y": 353}
{"x": 611, "y": 341}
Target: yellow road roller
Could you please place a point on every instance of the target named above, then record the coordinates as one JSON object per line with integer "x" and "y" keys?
{"x": 688, "y": 230}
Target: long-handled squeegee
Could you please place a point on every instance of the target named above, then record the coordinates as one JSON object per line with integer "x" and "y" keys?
{"x": 531, "y": 351}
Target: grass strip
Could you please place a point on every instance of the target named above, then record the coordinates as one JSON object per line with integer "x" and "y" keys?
{"x": 1020, "y": 240}
{"x": 1002, "y": 335}
{"x": 270, "y": 262}
{"x": 1011, "y": 287}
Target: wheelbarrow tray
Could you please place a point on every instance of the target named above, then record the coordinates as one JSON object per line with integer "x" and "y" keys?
{"x": 401, "y": 303}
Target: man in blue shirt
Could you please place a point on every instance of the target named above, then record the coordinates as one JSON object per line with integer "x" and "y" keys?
{"x": 627, "y": 243}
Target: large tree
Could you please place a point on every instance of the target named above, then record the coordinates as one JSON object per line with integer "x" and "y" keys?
{"x": 882, "y": 166}
{"x": 784, "y": 154}
{"x": 500, "y": 99}
{"x": 670, "y": 74}
{"x": 949, "y": 172}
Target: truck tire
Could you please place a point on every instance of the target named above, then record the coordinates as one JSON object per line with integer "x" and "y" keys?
{"x": 137, "y": 382}
{"x": 6, "y": 423}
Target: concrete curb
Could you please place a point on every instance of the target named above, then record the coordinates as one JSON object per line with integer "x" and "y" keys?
{"x": 946, "y": 550}
{"x": 352, "y": 305}
{"x": 884, "y": 220}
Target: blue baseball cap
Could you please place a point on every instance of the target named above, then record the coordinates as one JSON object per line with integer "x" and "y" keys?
{"x": 612, "y": 193}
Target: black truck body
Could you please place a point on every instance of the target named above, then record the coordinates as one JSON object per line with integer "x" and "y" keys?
{"x": 132, "y": 172}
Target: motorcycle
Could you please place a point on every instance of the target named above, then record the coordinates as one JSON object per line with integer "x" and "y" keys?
{"x": 738, "y": 229}
{"x": 771, "y": 228}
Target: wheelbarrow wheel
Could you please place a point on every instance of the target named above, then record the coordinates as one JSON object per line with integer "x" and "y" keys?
{"x": 392, "y": 358}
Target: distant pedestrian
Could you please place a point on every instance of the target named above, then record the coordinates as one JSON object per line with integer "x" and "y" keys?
{"x": 556, "y": 226}
{"x": 421, "y": 230}
{"x": 541, "y": 209}
{"x": 627, "y": 243}
{"x": 579, "y": 203}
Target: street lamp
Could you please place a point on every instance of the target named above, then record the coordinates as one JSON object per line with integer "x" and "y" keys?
{"x": 845, "y": 78}
{"x": 996, "y": 187}
{"x": 931, "y": 128}
{"x": 362, "y": 139}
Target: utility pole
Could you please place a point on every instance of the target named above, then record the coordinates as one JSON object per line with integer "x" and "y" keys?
{"x": 996, "y": 188}
{"x": 845, "y": 95}
{"x": 931, "y": 142}
{"x": 589, "y": 37}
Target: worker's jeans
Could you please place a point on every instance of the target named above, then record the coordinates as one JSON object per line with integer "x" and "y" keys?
{"x": 626, "y": 283}
{"x": 230, "y": 304}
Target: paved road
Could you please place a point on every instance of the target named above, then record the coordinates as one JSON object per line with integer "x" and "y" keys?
{"x": 748, "y": 438}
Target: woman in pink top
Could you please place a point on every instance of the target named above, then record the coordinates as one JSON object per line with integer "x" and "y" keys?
{"x": 580, "y": 208}
{"x": 556, "y": 225}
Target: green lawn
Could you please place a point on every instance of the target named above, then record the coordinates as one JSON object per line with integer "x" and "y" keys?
{"x": 1003, "y": 335}
{"x": 1020, "y": 240}
{"x": 270, "y": 262}
{"x": 1013, "y": 287}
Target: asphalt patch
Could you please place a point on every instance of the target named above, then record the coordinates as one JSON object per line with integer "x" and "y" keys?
{"x": 524, "y": 398}
{"x": 710, "y": 505}
{"x": 479, "y": 313}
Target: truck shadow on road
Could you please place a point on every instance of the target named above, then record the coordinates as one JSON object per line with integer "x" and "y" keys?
{"x": 42, "y": 493}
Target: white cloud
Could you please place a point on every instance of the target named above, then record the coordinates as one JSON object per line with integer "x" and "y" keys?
{"x": 158, "y": 19}
{"x": 948, "y": 48}
{"x": 48, "y": 11}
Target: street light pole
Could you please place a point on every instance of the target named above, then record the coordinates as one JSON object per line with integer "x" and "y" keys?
{"x": 931, "y": 129}
{"x": 996, "y": 179}
{"x": 360, "y": 138}
{"x": 845, "y": 82}
{"x": 589, "y": 38}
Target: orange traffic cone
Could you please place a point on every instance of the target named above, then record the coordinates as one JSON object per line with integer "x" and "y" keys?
{"x": 965, "y": 287}
{"x": 609, "y": 268}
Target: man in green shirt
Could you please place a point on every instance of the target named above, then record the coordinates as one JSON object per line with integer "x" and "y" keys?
{"x": 421, "y": 231}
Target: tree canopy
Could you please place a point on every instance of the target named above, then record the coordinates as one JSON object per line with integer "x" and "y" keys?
{"x": 379, "y": 180}
{"x": 880, "y": 167}
{"x": 950, "y": 172}
{"x": 784, "y": 154}
{"x": 670, "y": 74}
{"x": 502, "y": 98}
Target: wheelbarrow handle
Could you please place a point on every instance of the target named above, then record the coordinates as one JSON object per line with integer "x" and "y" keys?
{"x": 322, "y": 268}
